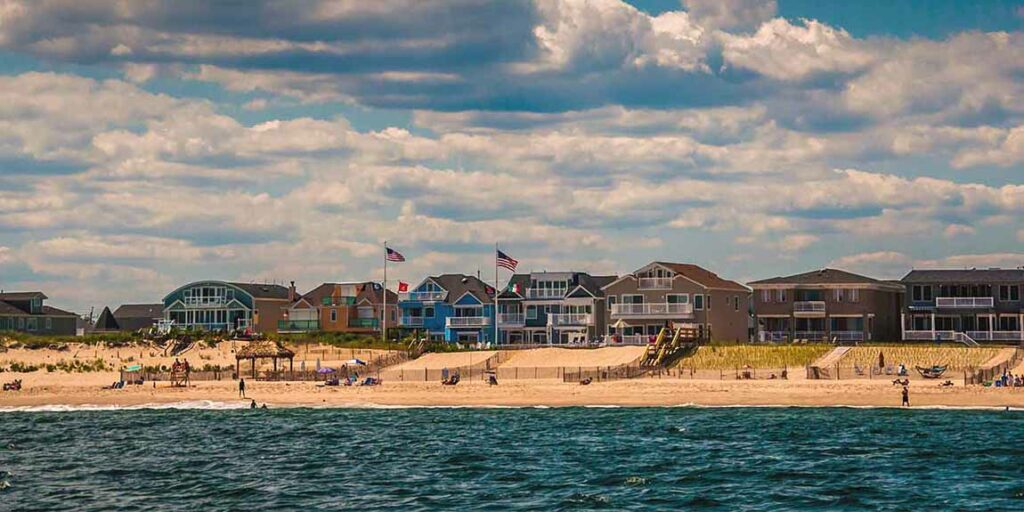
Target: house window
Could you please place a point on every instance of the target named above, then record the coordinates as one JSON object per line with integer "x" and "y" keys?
{"x": 21, "y": 322}
{"x": 677, "y": 298}
{"x": 766, "y": 296}
{"x": 839, "y": 295}
{"x": 781, "y": 295}
{"x": 707, "y": 301}
{"x": 854, "y": 295}
{"x": 33, "y": 324}
{"x": 632, "y": 299}
{"x": 1009, "y": 293}
{"x": 736, "y": 302}
{"x": 334, "y": 315}
{"x": 923, "y": 293}
{"x": 698, "y": 302}
{"x": 611, "y": 302}
{"x": 49, "y": 323}
{"x": 428, "y": 312}
{"x": 531, "y": 312}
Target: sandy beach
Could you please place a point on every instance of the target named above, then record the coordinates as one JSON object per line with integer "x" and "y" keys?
{"x": 56, "y": 389}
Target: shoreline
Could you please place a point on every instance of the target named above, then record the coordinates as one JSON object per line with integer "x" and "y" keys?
{"x": 651, "y": 392}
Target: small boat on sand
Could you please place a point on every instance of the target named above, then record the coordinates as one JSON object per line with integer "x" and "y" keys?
{"x": 934, "y": 372}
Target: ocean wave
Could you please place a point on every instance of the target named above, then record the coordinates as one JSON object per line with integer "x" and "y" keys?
{"x": 208, "y": 405}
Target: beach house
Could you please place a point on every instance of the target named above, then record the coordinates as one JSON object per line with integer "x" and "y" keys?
{"x": 341, "y": 307}
{"x": 827, "y": 305}
{"x": 27, "y": 312}
{"x": 449, "y": 307}
{"x": 664, "y": 294}
{"x": 971, "y": 305}
{"x": 228, "y": 306}
{"x": 552, "y": 307}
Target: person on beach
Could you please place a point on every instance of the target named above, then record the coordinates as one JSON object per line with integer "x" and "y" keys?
{"x": 241, "y": 388}
{"x": 906, "y": 396}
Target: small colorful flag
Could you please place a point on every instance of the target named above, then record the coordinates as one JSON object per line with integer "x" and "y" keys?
{"x": 514, "y": 288}
{"x": 403, "y": 287}
{"x": 506, "y": 261}
{"x": 394, "y": 255}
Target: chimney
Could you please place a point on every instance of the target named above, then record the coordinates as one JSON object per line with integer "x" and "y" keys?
{"x": 291, "y": 292}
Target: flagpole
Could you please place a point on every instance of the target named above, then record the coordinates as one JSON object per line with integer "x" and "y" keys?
{"x": 384, "y": 313}
{"x": 496, "y": 293}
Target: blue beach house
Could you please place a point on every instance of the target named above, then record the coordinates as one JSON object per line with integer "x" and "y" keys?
{"x": 449, "y": 307}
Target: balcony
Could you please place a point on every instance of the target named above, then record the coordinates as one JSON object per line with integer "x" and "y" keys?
{"x": 996, "y": 335}
{"x": 338, "y": 301}
{"x": 570, "y": 319}
{"x": 410, "y": 321}
{"x": 652, "y": 310}
{"x": 205, "y": 302}
{"x": 298, "y": 325}
{"x": 809, "y": 309}
{"x": 422, "y": 296}
{"x": 511, "y": 319}
{"x": 467, "y": 321}
{"x": 809, "y": 335}
{"x": 364, "y": 323}
{"x": 545, "y": 293}
{"x": 964, "y": 302}
{"x": 848, "y": 335}
{"x": 654, "y": 283}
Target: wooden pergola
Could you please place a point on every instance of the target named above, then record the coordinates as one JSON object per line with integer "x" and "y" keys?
{"x": 263, "y": 350}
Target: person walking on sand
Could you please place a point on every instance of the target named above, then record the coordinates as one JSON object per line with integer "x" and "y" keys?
{"x": 241, "y": 388}
{"x": 906, "y": 396}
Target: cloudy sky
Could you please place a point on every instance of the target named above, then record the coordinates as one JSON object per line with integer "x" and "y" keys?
{"x": 148, "y": 143}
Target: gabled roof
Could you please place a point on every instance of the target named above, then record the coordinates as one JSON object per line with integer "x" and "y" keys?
{"x": 18, "y": 296}
{"x": 965, "y": 276}
{"x": 593, "y": 284}
{"x": 147, "y": 311}
{"x": 107, "y": 322}
{"x": 821, "y": 277}
{"x": 702, "y": 276}
{"x": 263, "y": 291}
{"x": 459, "y": 284}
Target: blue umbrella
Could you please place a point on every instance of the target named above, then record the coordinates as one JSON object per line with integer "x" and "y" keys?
{"x": 325, "y": 370}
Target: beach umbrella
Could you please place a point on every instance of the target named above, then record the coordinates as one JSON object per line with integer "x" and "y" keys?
{"x": 621, "y": 324}
{"x": 325, "y": 370}
{"x": 133, "y": 368}
{"x": 355, "y": 362}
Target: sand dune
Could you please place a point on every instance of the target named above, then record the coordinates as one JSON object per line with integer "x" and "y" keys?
{"x": 565, "y": 357}
{"x": 451, "y": 360}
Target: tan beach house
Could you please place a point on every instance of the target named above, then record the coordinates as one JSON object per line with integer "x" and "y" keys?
{"x": 664, "y": 294}
{"x": 341, "y": 307}
{"x": 827, "y": 305}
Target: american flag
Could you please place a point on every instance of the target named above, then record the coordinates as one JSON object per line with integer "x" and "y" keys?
{"x": 394, "y": 255}
{"x": 505, "y": 261}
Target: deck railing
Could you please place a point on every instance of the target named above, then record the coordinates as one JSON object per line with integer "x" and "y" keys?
{"x": 410, "y": 321}
{"x": 809, "y": 335}
{"x": 964, "y": 302}
{"x": 557, "y": 319}
{"x": 514, "y": 319}
{"x": 848, "y": 335}
{"x": 652, "y": 309}
{"x": 467, "y": 321}
{"x": 422, "y": 296}
{"x": 809, "y": 307}
{"x": 654, "y": 283}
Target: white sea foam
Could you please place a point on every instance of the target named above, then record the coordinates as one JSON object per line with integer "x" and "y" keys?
{"x": 184, "y": 405}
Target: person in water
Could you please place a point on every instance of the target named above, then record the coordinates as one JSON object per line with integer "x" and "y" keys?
{"x": 252, "y": 405}
{"x": 906, "y": 396}
{"x": 241, "y": 388}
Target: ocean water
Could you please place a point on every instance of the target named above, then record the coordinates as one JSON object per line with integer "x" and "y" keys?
{"x": 513, "y": 459}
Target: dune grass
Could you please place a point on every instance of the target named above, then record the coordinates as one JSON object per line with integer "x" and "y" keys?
{"x": 956, "y": 357}
{"x": 728, "y": 357}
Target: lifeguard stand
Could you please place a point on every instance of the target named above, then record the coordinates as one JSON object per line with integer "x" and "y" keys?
{"x": 180, "y": 378}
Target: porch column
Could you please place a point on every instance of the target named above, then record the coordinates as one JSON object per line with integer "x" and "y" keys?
{"x": 903, "y": 326}
{"x": 991, "y": 320}
{"x": 933, "y": 326}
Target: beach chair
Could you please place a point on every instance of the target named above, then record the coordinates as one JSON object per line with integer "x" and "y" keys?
{"x": 889, "y": 370}
{"x": 858, "y": 370}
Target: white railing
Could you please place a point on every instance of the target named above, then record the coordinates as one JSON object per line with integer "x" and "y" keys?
{"x": 511, "y": 319}
{"x": 809, "y": 306}
{"x": 627, "y": 339}
{"x": 545, "y": 293}
{"x": 410, "y": 321}
{"x": 422, "y": 296}
{"x": 654, "y": 283}
{"x": 468, "y": 321}
{"x": 928, "y": 335}
{"x": 655, "y": 309}
{"x": 809, "y": 335}
{"x": 997, "y": 335}
{"x": 774, "y": 336}
{"x": 205, "y": 301}
{"x": 848, "y": 335}
{"x": 964, "y": 302}
{"x": 557, "y": 319}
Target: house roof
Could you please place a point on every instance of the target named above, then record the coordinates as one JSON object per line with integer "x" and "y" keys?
{"x": 107, "y": 322}
{"x": 368, "y": 289}
{"x": 523, "y": 280}
{"x": 52, "y": 311}
{"x": 702, "y": 276}
{"x": 459, "y": 284}
{"x": 971, "y": 276}
{"x": 5, "y": 296}
{"x": 263, "y": 291}
{"x": 820, "y": 277}
{"x": 147, "y": 311}
{"x": 7, "y": 309}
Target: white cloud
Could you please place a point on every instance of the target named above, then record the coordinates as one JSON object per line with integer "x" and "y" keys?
{"x": 787, "y": 51}
{"x": 730, "y": 14}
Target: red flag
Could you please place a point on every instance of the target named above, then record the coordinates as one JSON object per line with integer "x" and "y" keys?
{"x": 403, "y": 287}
